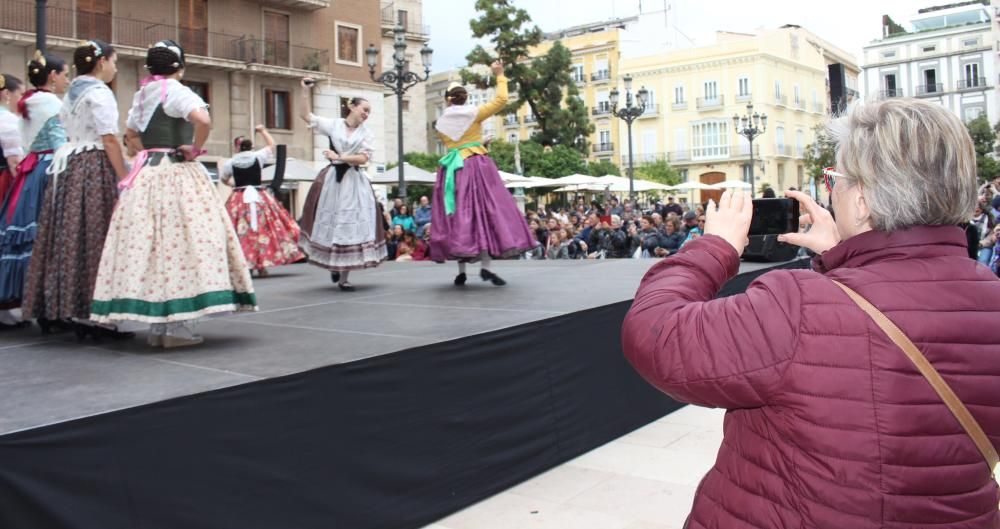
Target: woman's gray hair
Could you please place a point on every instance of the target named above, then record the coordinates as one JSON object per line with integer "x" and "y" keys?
{"x": 914, "y": 160}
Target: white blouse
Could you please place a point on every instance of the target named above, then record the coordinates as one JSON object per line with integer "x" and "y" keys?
{"x": 360, "y": 141}
{"x": 93, "y": 115}
{"x": 243, "y": 160}
{"x": 179, "y": 103}
{"x": 10, "y": 134}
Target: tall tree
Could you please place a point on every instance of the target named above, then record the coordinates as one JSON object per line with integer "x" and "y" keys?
{"x": 542, "y": 83}
{"x": 603, "y": 167}
{"x": 983, "y": 138}
{"x": 819, "y": 154}
{"x": 659, "y": 171}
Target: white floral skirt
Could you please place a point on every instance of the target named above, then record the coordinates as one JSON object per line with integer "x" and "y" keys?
{"x": 171, "y": 253}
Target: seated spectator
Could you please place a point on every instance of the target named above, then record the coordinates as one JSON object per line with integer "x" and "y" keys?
{"x": 422, "y": 215}
{"x": 577, "y": 249}
{"x": 404, "y": 219}
{"x": 556, "y": 249}
{"x": 695, "y": 232}
{"x": 615, "y": 208}
{"x": 541, "y": 239}
{"x": 668, "y": 242}
{"x": 392, "y": 240}
{"x": 552, "y": 224}
{"x": 608, "y": 240}
{"x": 988, "y": 248}
{"x": 640, "y": 238}
{"x": 689, "y": 222}
{"x": 396, "y": 203}
{"x": 404, "y": 249}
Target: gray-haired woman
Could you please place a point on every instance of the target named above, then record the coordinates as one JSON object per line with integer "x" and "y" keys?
{"x": 830, "y": 425}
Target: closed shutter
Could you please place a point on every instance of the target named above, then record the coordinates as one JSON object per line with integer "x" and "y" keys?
{"x": 276, "y": 34}
{"x": 193, "y": 26}
{"x": 93, "y": 20}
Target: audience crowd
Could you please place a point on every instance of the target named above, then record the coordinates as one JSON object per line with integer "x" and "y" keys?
{"x": 619, "y": 229}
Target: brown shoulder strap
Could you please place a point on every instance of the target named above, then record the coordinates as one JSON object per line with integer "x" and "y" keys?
{"x": 927, "y": 370}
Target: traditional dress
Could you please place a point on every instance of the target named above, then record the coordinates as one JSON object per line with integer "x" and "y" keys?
{"x": 268, "y": 234}
{"x": 79, "y": 201}
{"x": 42, "y": 131}
{"x": 171, "y": 254}
{"x": 10, "y": 145}
{"x": 342, "y": 221}
{"x": 472, "y": 211}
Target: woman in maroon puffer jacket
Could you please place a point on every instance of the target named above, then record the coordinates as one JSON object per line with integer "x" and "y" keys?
{"x": 829, "y": 424}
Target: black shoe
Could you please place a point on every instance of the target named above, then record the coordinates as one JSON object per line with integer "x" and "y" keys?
{"x": 51, "y": 326}
{"x": 491, "y": 277}
{"x": 346, "y": 287}
{"x": 460, "y": 280}
{"x": 335, "y": 277}
{"x": 82, "y": 331}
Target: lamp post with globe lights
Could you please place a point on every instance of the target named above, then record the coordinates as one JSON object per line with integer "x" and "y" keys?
{"x": 750, "y": 126}
{"x": 399, "y": 79}
{"x": 628, "y": 114}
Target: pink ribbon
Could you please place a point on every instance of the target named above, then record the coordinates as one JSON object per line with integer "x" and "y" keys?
{"x": 140, "y": 161}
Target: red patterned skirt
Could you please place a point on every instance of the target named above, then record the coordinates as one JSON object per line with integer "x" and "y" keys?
{"x": 267, "y": 233}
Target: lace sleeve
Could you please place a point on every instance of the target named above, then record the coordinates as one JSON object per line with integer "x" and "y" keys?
{"x": 105, "y": 112}
{"x": 10, "y": 137}
{"x": 321, "y": 125}
{"x": 368, "y": 145}
{"x": 181, "y": 101}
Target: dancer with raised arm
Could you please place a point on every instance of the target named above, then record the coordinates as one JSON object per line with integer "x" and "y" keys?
{"x": 80, "y": 197}
{"x": 171, "y": 255}
{"x": 268, "y": 234}
{"x": 474, "y": 216}
{"x": 42, "y": 132}
{"x": 341, "y": 225}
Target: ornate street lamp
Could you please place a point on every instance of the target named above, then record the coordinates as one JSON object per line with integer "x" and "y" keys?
{"x": 750, "y": 126}
{"x": 399, "y": 79}
{"x": 629, "y": 113}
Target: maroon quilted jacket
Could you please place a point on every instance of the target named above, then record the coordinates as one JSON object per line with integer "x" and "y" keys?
{"x": 829, "y": 424}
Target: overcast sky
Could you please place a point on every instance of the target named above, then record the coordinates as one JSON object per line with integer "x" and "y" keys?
{"x": 848, "y": 24}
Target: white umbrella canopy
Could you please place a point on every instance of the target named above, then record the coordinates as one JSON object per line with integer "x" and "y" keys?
{"x": 412, "y": 175}
{"x": 688, "y": 186}
{"x": 530, "y": 182}
{"x": 295, "y": 169}
{"x": 732, "y": 184}
{"x": 576, "y": 180}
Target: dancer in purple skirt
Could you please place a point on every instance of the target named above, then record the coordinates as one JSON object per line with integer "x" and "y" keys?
{"x": 474, "y": 217}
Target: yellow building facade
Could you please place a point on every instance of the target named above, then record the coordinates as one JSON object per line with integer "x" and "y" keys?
{"x": 694, "y": 94}
{"x": 596, "y": 62}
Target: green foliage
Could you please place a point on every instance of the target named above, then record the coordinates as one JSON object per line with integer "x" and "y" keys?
{"x": 819, "y": 155}
{"x": 983, "y": 138}
{"x": 659, "y": 171}
{"x": 543, "y": 83}
{"x": 537, "y": 160}
{"x": 603, "y": 167}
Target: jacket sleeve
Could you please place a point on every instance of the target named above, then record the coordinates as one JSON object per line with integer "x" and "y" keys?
{"x": 729, "y": 352}
{"x": 496, "y": 105}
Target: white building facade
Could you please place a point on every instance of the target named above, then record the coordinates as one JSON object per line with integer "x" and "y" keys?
{"x": 947, "y": 56}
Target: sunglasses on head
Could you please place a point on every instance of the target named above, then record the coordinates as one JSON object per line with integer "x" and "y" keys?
{"x": 830, "y": 178}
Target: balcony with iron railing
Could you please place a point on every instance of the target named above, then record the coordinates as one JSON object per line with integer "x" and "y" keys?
{"x": 602, "y": 110}
{"x": 800, "y": 104}
{"x": 784, "y": 150}
{"x": 971, "y": 83}
{"x": 932, "y": 89}
{"x": 391, "y": 17}
{"x": 650, "y": 111}
{"x": 781, "y": 100}
{"x": 601, "y": 76}
{"x": 648, "y": 157}
{"x": 311, "y": 5}
{"x": 886, "y": 94}
{"x": 530, "y": 119}
{"x": 744, "y": 97}
{"x": 201, "y": 45}
{"x": 511, "y": 120}
{"x": 706, "y": 103}
{"x": 604, "y": 147}
{"x": 679, "y": 105}
{"x": 818, "y": 107}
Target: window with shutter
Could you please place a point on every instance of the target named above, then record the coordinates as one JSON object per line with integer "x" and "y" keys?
{"x": 93, "y": 19}
{"x": 277, "y": 109}
{"x": 276, "y": 38}
{"x": 348, "y": 49}
{"x": 192, "y": 26}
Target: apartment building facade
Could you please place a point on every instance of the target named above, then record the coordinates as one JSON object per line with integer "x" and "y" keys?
{"x": 245, "y": 58}
{"x": 948, "y": 55}
{"x": 694, "y": 94}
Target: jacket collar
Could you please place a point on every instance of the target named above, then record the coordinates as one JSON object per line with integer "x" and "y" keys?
{"x": 873, "y": 246}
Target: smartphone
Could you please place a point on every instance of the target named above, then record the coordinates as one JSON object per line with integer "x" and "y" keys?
{"x": 774, "y": 216}
{"x": 605, "y": 218}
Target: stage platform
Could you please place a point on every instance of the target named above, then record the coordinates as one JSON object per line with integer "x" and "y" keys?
{"x": 353, "y": 373}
